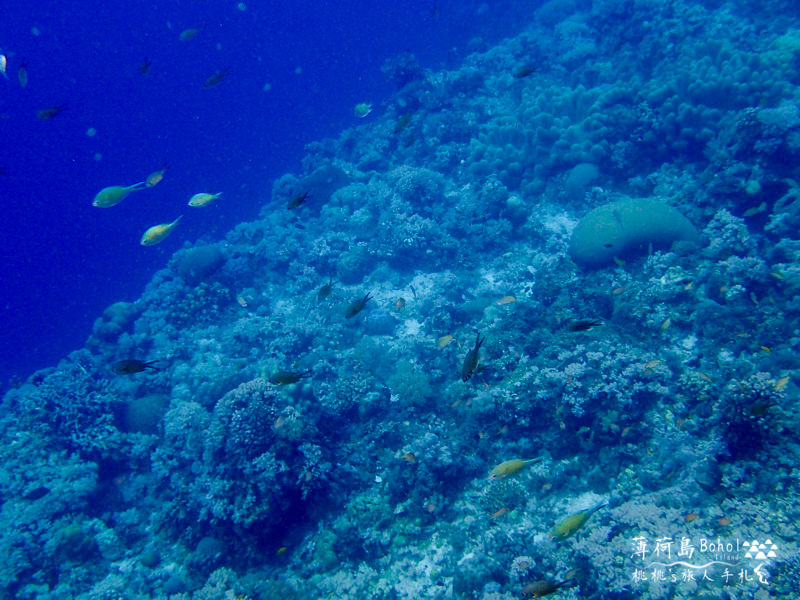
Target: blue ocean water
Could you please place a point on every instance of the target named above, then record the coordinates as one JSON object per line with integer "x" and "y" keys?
{"x": 499, "y": 301}
{"x": 297, "y": 69}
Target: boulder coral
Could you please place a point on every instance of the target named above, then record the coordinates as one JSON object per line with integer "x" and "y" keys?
{"x": 621, "y": 228}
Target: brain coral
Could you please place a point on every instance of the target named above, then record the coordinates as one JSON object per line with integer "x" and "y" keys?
{"x": 624, "y": 227}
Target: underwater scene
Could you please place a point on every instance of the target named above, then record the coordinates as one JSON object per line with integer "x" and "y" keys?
{"x": 523, "y": 324}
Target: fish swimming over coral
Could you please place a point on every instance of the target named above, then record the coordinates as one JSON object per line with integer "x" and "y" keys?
{"x": 287, "y": 377}
{"x": 356, "y": 306}
{"x": 129, "y": 366}
{"x": 511, "y": 467}
{"x": 471, "y": 360}
{"x": 573, "y": 523}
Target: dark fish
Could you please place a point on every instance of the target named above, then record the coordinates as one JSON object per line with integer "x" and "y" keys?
{"x": 216, "y": 78}
{"x": 287, "y": 377}
{"x": 129, "y": 366}
{"x": 188, "y": 34}
{"x": 524, "y": 71}
{"x": 583, "y": 324}
{"x": 144, "y": 66}
{"x": 325, "y": 290}
{"x": 544, "y": 587}
{"x": 50, "y": 112}
{"x": 471, "y": 359}
{"x": 356, "y": 306}
{"x": 36, "y": 493}
{"x": 22, "y": 74}
{"x": 403, "y": 122}
{"x": 297, "y": 200}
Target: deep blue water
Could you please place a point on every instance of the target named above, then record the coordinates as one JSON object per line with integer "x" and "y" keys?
{"x": 63, "y": 260}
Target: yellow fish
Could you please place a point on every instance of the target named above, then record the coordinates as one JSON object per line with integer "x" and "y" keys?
{"x": 510, "y": 467}
{"x": 157, "y": 233}
{"x": 781, "y": 383}
{"x": 362, "y": 109}
{"x": 506, "y": 300}
{"x": 203, "y": 199}
{"x": 114, "y": 194}
{"x": 444, "y": 341}
{"x": 155, "y": 177}
{"x": 572, "y": 523}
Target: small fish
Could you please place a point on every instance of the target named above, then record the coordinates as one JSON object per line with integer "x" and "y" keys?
{"x": 203, "y": 199}
{"x": 544, "y": 587}
{"x": 400, "y": 304}
{"x": 3, "y": 65}
{"x": 287, "y": 377}
{"x": 409, "y": 457}
{"x": 155, "y": 177}
{"x": 781, "y": 383}
{"x": 362, "y": 109}
{"x": 50, "y": 112}
{"x": 652, "y": 364}
{"x": 443, "y": 341}
{"x": 665, "y": 325}
{"x": 583, "y": 324}
{"x": 619, "y": 262}
{"x": 499, "y": 513}
{"x": 216, "y": 78}
{"x": 470, "y": 364}
{"x": 766, "y": 349}
{"x": 281, "y": 550}
{"x": 511, "y": 467}
{"x": 403, "y": 122}
{"x": 751, "y": 212}
{"x": 724, "y": 521}
{"x": 704, "y": 377}
{"x": 573, "y": 523}
{"x": 129, "y": 366}
{"x": 241, "y": 300}
{"x": 325, "y": 290}
{"x": 114, "y": 194}
{"x": 36, "y": 493}
{"x": 759, "y": 407}
{"x": 297, "y": 200}
{"x": 692, "y": 516}
{"x": 506, "y": 300}
{"x": 524, "y": 71}
{"x": 188, "y": 34}
{"x": 157, "y": 233}
{"x": 356, "y": 306}
{"x": 22, "y": 74}
{"x": 144, "y": 66}
{"x": 617, "y": 291}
